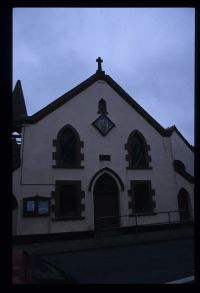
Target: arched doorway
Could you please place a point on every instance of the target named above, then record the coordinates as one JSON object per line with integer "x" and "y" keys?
{"x": 184, "y": 205}
{"x": 106, "y": 202}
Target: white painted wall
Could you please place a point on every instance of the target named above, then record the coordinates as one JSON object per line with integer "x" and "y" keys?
{"x": 80, "y": 112}
{"x": 182, "y": 152}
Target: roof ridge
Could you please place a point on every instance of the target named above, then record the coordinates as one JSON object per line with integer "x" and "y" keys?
{"x": 100, "y": 75}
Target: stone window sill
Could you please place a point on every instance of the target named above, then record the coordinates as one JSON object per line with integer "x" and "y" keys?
{"x": 139, "y": 168}
{"x": 67, "y": 218}
{"x": 143, "y": 214}
{"x": 67, "y": 167}
{"x": 35, "y": 215}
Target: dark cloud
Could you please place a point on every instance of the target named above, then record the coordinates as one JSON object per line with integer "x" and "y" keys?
{"x": 149, "y": 52}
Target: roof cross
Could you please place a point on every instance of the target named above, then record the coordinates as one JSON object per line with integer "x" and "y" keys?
{"x": 99, "y": 61}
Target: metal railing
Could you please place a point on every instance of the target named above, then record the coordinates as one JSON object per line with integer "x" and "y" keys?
{"x": 173, "y": 224}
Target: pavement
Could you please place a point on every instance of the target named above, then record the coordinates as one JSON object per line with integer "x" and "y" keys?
{"x": 106, "y": 239}
{"x": 155, "y": 263}
{"x": 188, "y": 280}
{"x": 148, "y": 257}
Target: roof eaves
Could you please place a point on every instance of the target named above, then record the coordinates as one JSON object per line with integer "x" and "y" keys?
{"x": 93, "y": 78}
{"x": 70, "y": 94}
{"x": 172, "y": 129}
{"x": 137, "y": 107}
{"x": 62, "y": 99}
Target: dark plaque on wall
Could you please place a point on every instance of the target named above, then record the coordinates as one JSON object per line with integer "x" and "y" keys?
{"x": 103, "y": 124}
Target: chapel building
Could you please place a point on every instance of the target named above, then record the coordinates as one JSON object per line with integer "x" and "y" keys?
{"x": 95, "y": 154}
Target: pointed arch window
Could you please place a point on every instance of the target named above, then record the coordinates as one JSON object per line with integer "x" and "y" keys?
{"x": 68, "y": 148}
{"x": 137, "y": 147}
{"x": 102, "y": 108}
{"x": 179, "y": 167}
{"x": 184, "y": 205}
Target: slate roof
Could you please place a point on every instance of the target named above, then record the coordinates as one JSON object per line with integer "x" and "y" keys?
{"x": 100, "y": 75}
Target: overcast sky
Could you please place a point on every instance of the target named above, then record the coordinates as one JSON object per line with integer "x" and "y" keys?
{"x": 149, "y": 52}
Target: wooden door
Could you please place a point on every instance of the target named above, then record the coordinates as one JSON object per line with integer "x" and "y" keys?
{"x": 106, "y": 205}
{"x": 183, "y": 203}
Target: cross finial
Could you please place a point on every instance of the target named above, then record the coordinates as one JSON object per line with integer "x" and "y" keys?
{"x": 99, "y": 61}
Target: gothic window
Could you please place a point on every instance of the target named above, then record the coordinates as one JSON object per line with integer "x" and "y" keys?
{"x": 68, "y": 199}
{"x": 102, "y": 107}
{"x": 141, "y": 197}
{"x": 184, "y": 205}
{"x": 68, "y": 146}
{"x": 179, "y": 167}
{"x": 137, "y": 151}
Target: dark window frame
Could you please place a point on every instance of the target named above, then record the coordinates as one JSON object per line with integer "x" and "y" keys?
{"x": 102, "y": 107}
{"x": 57, "y": 153}
{"x": 179, "y": 167}
{"x": 183, "y": 198}
{"x": 36, "y": 200}
{"x": 151, "y": 193}
{"x": 104, "y": 157}
{"x": 80, "y": 195}
{"x": 128, "y": 147}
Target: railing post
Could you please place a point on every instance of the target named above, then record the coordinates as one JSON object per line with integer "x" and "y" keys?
{"x": 99, "y": 231}
{"x": 136, "y": 228}
{"x": 169, "y": 224}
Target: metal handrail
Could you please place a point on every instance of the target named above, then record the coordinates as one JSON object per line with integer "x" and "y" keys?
{"x": 148, "y": 213}
{"x": 169, "y": 221}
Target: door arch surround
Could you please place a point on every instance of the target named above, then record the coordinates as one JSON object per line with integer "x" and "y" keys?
{"x": 106, "y": 202}
{"x": 184, "y": 205}
{"x": 111, "y": 172}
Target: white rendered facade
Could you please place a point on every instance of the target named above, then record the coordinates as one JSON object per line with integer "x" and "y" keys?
{"x": 36, "y": 176}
